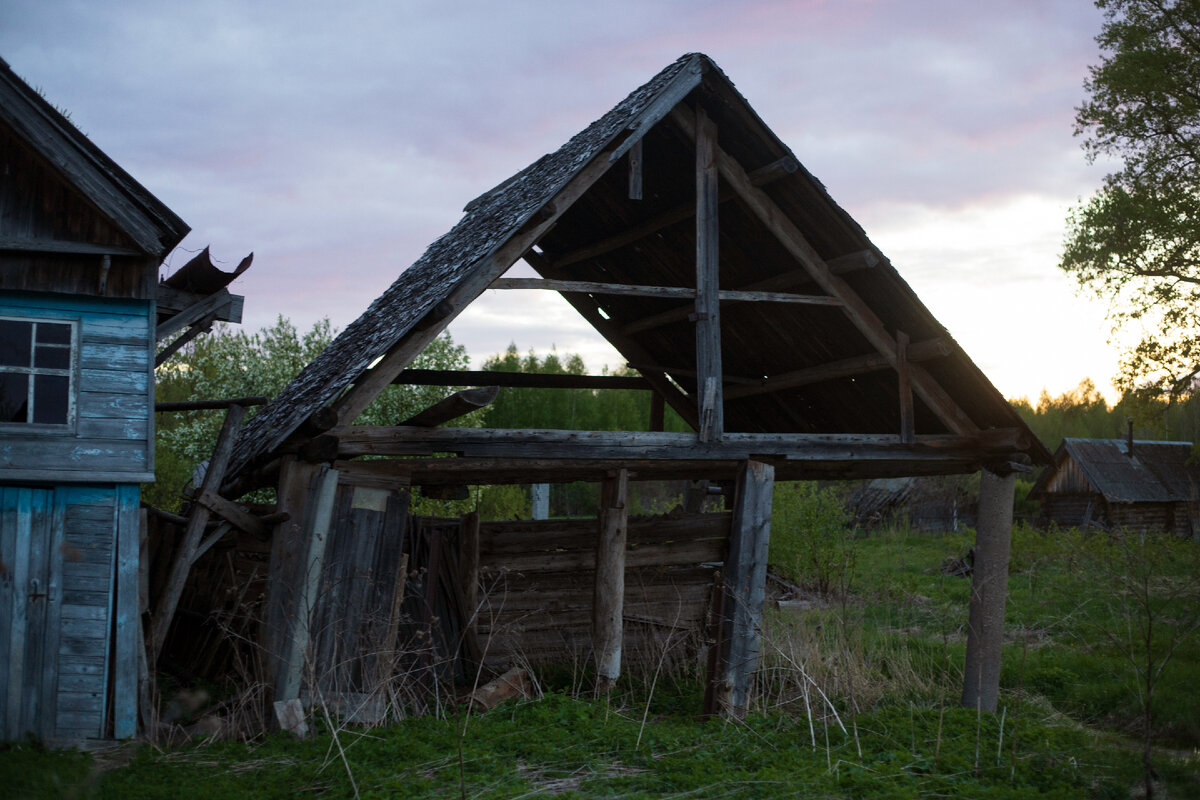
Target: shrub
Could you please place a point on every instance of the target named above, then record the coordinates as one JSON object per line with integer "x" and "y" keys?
{"x": 812, "y": 540}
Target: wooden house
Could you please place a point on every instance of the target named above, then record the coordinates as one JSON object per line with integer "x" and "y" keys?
{"x": 694, "y": 241}
{"x": 1121, "y": 483}
{"x": 80, "y": 245}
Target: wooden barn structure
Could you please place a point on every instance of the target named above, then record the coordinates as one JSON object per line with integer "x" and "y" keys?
{"x": 1122, "y": 483}
{"x": 693, "y": 240}
{"x": 81, "y": 309}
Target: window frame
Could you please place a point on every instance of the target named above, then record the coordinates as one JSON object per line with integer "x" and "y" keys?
{"x": 71, "y": 372}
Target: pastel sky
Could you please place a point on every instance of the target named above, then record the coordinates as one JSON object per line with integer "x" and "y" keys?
{"x": 338, "y": 140}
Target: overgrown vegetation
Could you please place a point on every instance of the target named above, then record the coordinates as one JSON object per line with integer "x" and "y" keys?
{"x": 878, "y": 674}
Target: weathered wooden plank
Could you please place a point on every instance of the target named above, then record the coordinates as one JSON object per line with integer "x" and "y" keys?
{"x": 132, "y": 357}
{"x": 218, "y": 304}
{"x": 635, "y": 171}
{"x": 609, "y": 594}
{"x": 456, "y": 405}
{"x": 908, "y": 430}
{"x": 18, "y": 530}
{"x": 746, "y": 576}
{"x": 113, "y": 406}
{"x": 708, "y": 315}
{"x": 112, "y": 428}
{"x": 112, "y": 381}
{"x": 441, "y": 377}
{"x": 126, "y": 616}
{"x": 317, "y": 524}
{"x": 989, "y": 588}
{"x": 31, "y": 454}
{"x": 664, "y": 292}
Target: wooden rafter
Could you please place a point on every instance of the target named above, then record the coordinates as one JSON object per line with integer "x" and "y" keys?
{"x": 670, "y": 292}
{"x": 845, "y": 368}
{"x": 855, "y": 308}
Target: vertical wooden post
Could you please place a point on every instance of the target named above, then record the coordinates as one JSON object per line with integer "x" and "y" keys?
{"x": 317, "y": 525}
{"x": 195, "y": 530}
{"x": 127, "y": 620}
{"x": 658, "y": 412}
{"x": 468, "y": 572}
{"x": 540, "y": 500}
{"x": 908, "y": 427}
{"x": 989, "y": 585}
{"x": 608, "y": 606}
{"x": 709, "y": 401}
{"x": 635, "y": 171}
{"x": 746, "y": 580}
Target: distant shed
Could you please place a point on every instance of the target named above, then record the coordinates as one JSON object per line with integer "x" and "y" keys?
{"x": 1142, "y": 485}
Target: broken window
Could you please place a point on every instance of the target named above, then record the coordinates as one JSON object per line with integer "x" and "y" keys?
{"x": 37, "y": 371}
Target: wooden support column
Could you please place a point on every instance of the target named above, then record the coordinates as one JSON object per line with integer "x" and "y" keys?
{"x": 186, "y": 553}
{"x": 708, "y": 320}
{"x": 908, "y": 426}
{"x": 635, "y": 171}
{"x": 746, "y": 580}
{"x": 608, "y": 606}
{"x": 989, "y": 587}
{"x": 127, "y": 618}
{"x": 317, "y": 521}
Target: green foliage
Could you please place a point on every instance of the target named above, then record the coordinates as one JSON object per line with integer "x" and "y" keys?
{"x": 1136, "y": 243}
{"x": 812, "y": 541}
{"x": 229, "y": 362}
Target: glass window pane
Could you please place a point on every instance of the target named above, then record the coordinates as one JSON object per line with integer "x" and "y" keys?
{"x": 52, "y": 357}
{"x": 15, "y": 338}
{"x": 53, "y": 333}
{"x": 50, "y": 399}
{"x": 14, "y": 396}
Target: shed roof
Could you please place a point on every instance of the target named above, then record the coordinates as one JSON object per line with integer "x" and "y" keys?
{"x": 153, "y": 227}
{"x": 788, "y": 368}
{"x": 1158, "y": 472}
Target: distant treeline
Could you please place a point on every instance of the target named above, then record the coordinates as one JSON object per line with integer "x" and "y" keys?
{"x": 1084, "y": 413}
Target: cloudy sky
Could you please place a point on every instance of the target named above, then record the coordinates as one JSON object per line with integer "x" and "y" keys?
{"x": 337, "y": 140}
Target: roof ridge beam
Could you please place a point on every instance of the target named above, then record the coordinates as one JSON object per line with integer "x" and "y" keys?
{"x": 856, "y": 309}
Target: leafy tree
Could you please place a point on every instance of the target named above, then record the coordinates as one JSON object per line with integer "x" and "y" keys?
{"x": 230, "y": 362}
{"x": 1136, "y": 242}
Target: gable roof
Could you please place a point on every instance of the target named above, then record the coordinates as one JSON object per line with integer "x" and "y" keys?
{"x": 1158, "y": 472}
{"x": 788, "y": 368}
{"x": 152, "y": 227}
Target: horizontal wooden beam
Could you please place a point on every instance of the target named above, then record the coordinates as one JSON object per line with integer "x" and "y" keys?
{"x": 66, "y": 248}
{"x": 521, "y": 380}
{"x": 861, "y": 259}
{"x": 170, "y": 301}
{"x": 670, "y": 292}
{"x": 845, "y": 368}
{"x": 496, "y": 443}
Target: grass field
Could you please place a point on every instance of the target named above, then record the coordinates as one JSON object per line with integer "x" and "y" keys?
{"x": 857, "y": 698}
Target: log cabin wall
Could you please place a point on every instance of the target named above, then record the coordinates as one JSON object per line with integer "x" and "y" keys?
{"x": 535, "y": 583}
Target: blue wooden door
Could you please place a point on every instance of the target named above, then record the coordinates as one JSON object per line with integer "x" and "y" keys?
{"x": 31, "y": 561}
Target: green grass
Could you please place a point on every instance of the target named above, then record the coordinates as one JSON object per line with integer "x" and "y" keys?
{"x": 893, "y": 650}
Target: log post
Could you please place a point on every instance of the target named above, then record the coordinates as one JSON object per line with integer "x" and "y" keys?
{"x": 317, "y": 522}
{"x": 709, "y": 401}
{"x": 608, "y": 605}
{"x": 746, "y": 580}
{"x": 195, "y": 530}
{"x": 989, "y": 586}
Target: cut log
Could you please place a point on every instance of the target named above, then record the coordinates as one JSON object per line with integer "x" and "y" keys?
{"x": 514, "y": 683}
{"x": 456, "y": 405}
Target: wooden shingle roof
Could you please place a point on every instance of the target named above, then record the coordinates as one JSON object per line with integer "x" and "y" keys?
{"x": 1157, "y": 472}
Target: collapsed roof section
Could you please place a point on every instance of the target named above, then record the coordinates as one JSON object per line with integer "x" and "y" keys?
{"x": 739, "y": 255}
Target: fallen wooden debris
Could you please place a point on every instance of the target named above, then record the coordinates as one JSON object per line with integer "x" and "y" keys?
{"x": 514, "y": 683}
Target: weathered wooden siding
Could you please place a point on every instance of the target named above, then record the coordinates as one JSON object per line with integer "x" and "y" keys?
{"x": 536, "y": 586}
{"x": 112, "y": 437}
{"x": 58, "y": 610}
